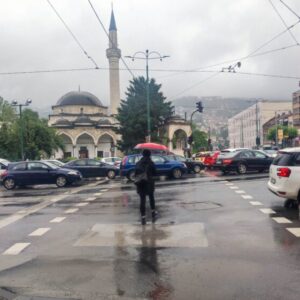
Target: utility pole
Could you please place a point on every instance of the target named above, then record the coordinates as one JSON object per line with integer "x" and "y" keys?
{"x": 146, "y": 56}
{"x": 27, "y": 103}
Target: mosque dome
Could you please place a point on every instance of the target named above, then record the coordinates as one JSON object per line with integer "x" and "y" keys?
{"x": 79, "y": 98}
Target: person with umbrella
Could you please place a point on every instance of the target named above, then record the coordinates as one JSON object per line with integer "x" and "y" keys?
{"x": 144, "y": 172}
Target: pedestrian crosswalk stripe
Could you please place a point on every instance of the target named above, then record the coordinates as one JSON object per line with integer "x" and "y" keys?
{"x": 247, "y": 196}
{"x": 255, "y": 203}
{"x": 240, "y": 192}
{"x": 71, "y": 210}
{"x": 90, "y": 199}
{"x": 57, "y": 220}
{"x": 282, "y": 220}
{"x": 233, "y": 187}
{"x": 294, "y": 231}
{"x": 187, "y": 235}
{"x": 229, "y": 184}
{"x": 82, "y": 204}
{"x": 39, "y": 232}
{"x": 267, "y": 211}
{"x": 16, "y": 249}
{"x": 97, "y": 194}
{"x": 104, "y": 190}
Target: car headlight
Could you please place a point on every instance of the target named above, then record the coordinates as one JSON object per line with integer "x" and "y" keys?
{"x": 72, "y": 173}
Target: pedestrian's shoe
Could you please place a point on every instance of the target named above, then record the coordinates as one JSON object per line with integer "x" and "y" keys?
{"x": 143, "y": 221}
{"x": 154, "y": 216}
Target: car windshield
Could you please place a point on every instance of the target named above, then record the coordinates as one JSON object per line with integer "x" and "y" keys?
{"x": 51, "y": 165}
{"x": 283, "y": 159}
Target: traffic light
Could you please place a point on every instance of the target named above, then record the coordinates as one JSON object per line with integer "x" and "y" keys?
{"x": 199, "y": 106}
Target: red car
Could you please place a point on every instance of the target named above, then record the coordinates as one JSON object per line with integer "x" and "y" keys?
{"x": 211, "y": 158}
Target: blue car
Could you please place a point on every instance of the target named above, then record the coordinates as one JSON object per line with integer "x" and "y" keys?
{"x": 164, "y": 166}
{"x": 37, "y": 172}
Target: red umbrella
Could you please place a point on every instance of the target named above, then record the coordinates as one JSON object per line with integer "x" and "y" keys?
{"x": 152, "y": 146}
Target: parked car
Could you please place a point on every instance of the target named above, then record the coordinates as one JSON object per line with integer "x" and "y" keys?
{"x": 211, "y": 158}
{"x": 284, "y": 176}
{"x": 164, "y": 166}
{"x": 230, "y": 150}
{"x": 55, "y": 162}
{"x": 93, "y": 168}
{"x": 3, "y": 165}
{"x": 37, "y": 172}
{"x": 192, "y": 166}
{"x": 243, "y": 161}
{"x": 114, "y": 161}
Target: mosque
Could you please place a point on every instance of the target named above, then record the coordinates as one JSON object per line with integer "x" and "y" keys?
{"x": 87, "y": 126}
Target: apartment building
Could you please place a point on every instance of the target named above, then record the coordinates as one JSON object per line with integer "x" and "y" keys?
{"x": 245, "y": 127}
{"x": 296, "y": 109}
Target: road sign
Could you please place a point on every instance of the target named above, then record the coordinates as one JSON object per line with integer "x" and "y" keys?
{"x": 280, "y": 134}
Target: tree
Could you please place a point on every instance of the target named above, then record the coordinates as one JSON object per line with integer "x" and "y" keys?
{"x": 289, "y": 134}
{"x": 200, "y": 140}
{"x": 132, "y": 114}
{"x": 7, "y": 112}
{"x": 39, "y": 139}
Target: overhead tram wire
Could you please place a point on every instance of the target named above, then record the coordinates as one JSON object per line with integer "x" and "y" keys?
{"x": 103, "y": 27}
{"x": 283, "y": 21}
{"x": 290, "y": 9}
{"x": 72, "y": 34}
{"x": 250, "y": 55}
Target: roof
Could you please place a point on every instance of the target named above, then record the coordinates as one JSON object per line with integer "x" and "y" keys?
{"x": 79, "y": 98}
{"x": 83, "y": 119}
{"x": 112, "y": 25}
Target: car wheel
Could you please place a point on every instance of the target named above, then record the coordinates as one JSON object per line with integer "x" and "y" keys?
{"x": 242, "y": 168}
{"x": 290, "y": 204}
{"x": 61, "y": 181}
{"x": 197, "y": 168}
{"x": 9, "y": 183}
{"x": 177, "y": 173}
{"x": 111, "y": 174}
{"x": 131, "y": 175}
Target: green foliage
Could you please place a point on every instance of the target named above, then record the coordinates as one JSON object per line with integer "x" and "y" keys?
{"x": 132, "y": 114}
{"x": 200, "y": 140}
{"x": 39, "y": 139}
{"x": 7, "y": 113}
{"x": 289, "y": 134}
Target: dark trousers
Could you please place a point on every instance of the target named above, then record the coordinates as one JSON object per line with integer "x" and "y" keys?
{"x": 143, "y": 203}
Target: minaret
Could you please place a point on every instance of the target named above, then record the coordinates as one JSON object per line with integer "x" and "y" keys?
{"x": 113, "y": 54}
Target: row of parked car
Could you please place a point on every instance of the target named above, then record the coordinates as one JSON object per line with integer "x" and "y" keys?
{"x": 55, "y": 172}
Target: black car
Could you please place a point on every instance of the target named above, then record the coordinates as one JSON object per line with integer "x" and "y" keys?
{"x": 243, "y": 161}
{"x": 192, "y": 166}
{"x": 36, "y": 172}
{"x": 93, "y": 168}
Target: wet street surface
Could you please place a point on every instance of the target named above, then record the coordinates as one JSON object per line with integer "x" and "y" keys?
{"x": 216, "y": 237}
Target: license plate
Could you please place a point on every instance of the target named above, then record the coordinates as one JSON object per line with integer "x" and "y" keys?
{"x": 273, "y": 180}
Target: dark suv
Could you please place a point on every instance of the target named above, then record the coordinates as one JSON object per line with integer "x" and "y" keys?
{"x": 37, "y": 172}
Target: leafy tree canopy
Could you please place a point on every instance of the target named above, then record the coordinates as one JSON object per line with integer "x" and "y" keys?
{"x": 132, "y": 114}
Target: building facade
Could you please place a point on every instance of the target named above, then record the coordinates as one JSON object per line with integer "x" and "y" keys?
{"x": 245, "y": 128}
{"x": 296, "y": 109}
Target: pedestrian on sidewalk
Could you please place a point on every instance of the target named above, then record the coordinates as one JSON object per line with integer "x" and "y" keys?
{"x": 144, "y": 172}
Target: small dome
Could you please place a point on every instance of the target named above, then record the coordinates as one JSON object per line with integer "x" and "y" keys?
{"x": 63, "y": 122}
{"x": 83, "y": 119}
{"x": 79, "y": 98}
{"x": 104, "y": 122}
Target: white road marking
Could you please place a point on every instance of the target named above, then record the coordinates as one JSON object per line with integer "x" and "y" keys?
{"x": 90, "y": 199}
{"x": 82, "y": 204}
{"x": 294, "y": 231}
{"x": 97, "y": 194}
{"x": 71, "y": 210}
{"x": 186, "y": 235}
{"x": 57, "y": 220}
{"x": 104, "y": 190}
{"x": 16, "y": 249}
{"x": 255, "y": 203}
{"x": 267, "y": 211}
{"x": 229, "y": 184}
{"x": 282, "y": 220}
{"x": 240, "y": 192}
{"x": 39, "y": 232}
{"x": 247, "y": 196}
{"x": 234, "y": 187}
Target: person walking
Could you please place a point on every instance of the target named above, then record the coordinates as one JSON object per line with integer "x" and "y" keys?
{"x": 144, "y": 172}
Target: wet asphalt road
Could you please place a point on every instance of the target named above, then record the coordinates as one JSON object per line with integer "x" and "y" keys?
{"x": 216, "y": 238}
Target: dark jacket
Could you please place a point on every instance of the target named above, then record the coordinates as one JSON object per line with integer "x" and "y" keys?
{"x": 146, "y": 164}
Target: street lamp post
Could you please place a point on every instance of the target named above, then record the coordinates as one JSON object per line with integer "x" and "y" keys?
{"x": 146, "y": 56}
{"x": 27, "y": 103}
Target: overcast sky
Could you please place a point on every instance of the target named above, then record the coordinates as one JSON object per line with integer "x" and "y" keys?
{"x": 195, "y": 33}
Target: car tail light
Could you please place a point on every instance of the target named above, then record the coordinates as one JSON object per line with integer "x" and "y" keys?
{"x": 283, "y": 172}
{"x": 5, "y": 173}
{"x": 227, "y": 161}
